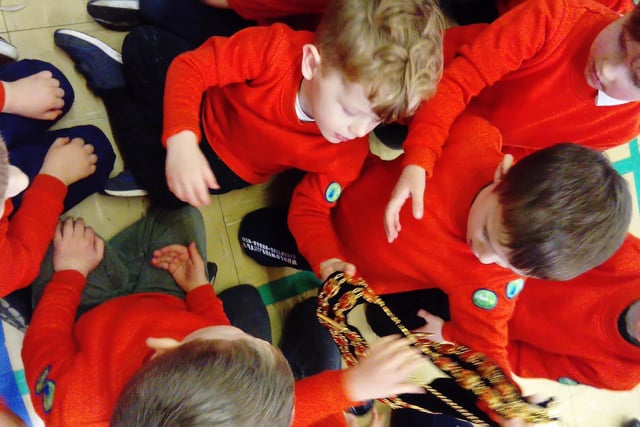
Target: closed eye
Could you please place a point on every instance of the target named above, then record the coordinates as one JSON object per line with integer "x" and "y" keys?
{"x": 485, "y": 233}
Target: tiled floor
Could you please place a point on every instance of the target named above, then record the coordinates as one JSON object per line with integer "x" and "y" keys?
{"x": 31, "y": 31}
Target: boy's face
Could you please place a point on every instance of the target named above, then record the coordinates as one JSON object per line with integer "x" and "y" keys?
{"x": 484, "y": 228}
{"x": 340, "y": 108}
{"x": 613, "y": 65}
{"x": 484, "y": 223}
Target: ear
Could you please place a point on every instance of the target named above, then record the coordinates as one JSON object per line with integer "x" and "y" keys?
{"x": 310, "y": 61}
{"x": 18, "y": 181}
{"x": 161, "y": 345}
{"x": 503, "y": 167}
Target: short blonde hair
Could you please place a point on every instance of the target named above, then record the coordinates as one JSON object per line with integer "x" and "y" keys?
{"x": 392, "y": 47}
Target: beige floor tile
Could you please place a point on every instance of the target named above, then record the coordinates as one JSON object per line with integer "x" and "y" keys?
{"x": 46, "y": 13}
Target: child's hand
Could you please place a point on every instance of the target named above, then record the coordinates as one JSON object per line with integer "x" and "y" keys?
{"x": 76, "y": 247}
{"x": 377, "y": 420}
{"x": 37, "y": 96}
{"x": 433, "y": 326}
{"x": 385, "y": 371}
{"x": 183, "y": 263}
{"x": 330, "y": 266}
{"x": 189, "y": 175}
{"x": 69, "y": 160}
{"x": 411, "y": 183}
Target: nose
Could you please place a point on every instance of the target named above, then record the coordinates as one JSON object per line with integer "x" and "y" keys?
{"x": 612, "y": 69}
{"x": 362, "y": 127}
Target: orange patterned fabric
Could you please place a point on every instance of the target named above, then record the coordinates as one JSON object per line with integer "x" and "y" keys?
{"x": 470, "y": 369}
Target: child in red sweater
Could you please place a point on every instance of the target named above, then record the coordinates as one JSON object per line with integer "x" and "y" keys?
{"x": 239, "y": 110}
{"x": 143, "y": 338}
{"x": 583, "y": 331}
{"x": 536, "y": 219}
{"x": 275, "y": 106}
{"x": 545, "y": 72}
{"x": 25, "y": 237}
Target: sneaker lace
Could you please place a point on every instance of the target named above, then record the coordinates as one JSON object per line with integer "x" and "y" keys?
{"x": 14, "y": 7}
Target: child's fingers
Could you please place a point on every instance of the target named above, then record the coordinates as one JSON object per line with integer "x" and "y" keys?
{"x": 67, "y": 227}
{"x": 59, "y": 142}
{"x": 193, "y": 252}
{"x": 98, "y": 245}
{"x": 88, "y": 148}
{"x": 417, "y": 202}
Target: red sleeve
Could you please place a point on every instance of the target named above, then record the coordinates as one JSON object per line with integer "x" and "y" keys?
{"x": 24, "y": 240}
{"x": 49, "y": 339}
{"x": 321, "y": 397}
{"x": 620, "y": 6}
{"x": 219, "y": 61}
{"x": 204, "y": 302}
{"x": 264, "y": 9}
{"x": 483, "y": 330}
{"x": 310, "y": 220}
{"x": 500, "y": 48}
{"x": 2, "y": 96}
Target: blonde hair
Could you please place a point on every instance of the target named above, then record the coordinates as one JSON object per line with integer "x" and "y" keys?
{"x": 4, "y": 169}
{"x": 392, "y": 47}
{"x": 222, "y": 383}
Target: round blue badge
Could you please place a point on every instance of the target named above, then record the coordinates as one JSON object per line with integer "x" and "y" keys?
{"x": 567, "y": 381}
{"x": 333, "y": 191}
{"x": 513, "y": 288}
{"x": 485, "y": 299}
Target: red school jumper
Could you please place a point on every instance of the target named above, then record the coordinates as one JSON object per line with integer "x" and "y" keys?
{"x": 525, "y": 74}
{"x": 429, "y": 253}
{"x": 568, "y": 331}
{"x": 24, "y": 240}
{"x": 250, "y": 82}
{"x": 76, "y": 370}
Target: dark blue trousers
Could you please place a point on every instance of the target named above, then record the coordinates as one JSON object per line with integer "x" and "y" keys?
{"x": 28, "y": 140}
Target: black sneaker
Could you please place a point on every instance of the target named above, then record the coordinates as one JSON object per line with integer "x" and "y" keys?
{"x": 362, "y": 409}
{"x": 212, "y": 271}
{"x": 124, "y": 185}
{"x": 98, "y": 62}
{"x": 8, "y": 52}
{"x": 117, "y": 15}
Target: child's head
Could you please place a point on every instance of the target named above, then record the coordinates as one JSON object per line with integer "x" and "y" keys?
{"x": 217, "y": 376}
{"x": 554, "y": 215}
{"x": 372, "y": 61}
{"x": 613, "y": 65}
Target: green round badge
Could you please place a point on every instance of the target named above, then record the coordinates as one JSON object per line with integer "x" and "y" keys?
{"x": 333, "y": 191}
{"x": 514, "y": 287}
{"x": 567, "y": 381}
{"x": 485, "y": 299}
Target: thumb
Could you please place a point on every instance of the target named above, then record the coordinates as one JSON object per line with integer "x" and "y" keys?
{"x": 193, "y": 251}
{"x": 417, "y": 201}
{"x": 424, "y": 314}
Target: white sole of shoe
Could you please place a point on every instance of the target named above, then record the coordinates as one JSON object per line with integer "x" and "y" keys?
{"x": 111, "y": 52}
{"x": 117, "y": 4}
{"x": 127, "y": 193}
{"x": 8, "y": 50}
